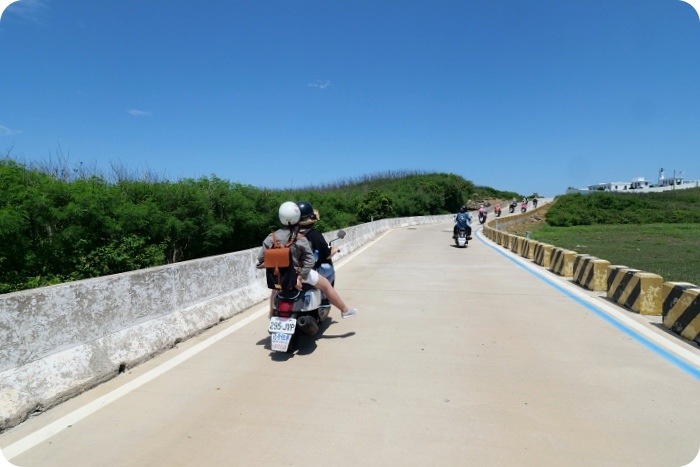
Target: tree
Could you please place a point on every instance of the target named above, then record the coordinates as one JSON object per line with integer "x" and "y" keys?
{"x": 375, "y": 205}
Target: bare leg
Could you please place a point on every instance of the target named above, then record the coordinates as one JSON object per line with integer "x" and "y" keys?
{"x": 331, "y": 294}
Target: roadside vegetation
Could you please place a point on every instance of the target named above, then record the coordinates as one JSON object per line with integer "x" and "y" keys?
{"x": 653, "y": 232}
{"x": 61, "y": 223}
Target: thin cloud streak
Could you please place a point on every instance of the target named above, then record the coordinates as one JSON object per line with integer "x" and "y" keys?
{"x": 140, "y": 113}
{"x": 4, "y": 131}
{"x": 320, "y": 84}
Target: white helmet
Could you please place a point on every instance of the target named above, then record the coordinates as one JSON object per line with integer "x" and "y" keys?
{"x": 289, "y": 213}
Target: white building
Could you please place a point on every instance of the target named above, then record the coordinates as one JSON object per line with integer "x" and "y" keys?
{"x": 640, "y": 185}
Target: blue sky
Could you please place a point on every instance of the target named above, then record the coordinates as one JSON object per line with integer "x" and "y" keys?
{"x": 528, "y": 96}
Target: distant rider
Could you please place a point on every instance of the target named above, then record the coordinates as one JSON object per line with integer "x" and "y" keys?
{"x": 497, "y": 209}
{"x": 534, "y": 202}
{"x": 463, "y": 220}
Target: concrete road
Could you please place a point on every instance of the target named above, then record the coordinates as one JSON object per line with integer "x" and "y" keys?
{"x": 464, "y": 357}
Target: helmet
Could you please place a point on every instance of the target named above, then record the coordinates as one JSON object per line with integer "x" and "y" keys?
{"x": 306, "y": 213}
{"x": 289, "y": 213}
{"x": 463, "y": 209}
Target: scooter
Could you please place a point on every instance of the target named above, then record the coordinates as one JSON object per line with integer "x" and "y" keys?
{"x": 511, "y": 207}
{"x": 461, "y": 239}
{"x": 297, "y": 312}
{"x": 523, "y": 208}
{"x": 482, "y": 217}
{"x": 497, "y": 212}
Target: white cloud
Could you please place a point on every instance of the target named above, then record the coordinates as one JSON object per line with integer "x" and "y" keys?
{"x": 4, "y": 131}
{"x": 140, "y": 113}
{"x": 320, "y": 84}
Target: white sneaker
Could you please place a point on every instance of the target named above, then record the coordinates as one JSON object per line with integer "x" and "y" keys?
{"x": 348, "y": 314}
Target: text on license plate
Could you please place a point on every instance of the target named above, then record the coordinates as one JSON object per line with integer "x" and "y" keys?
{"x": 283, "y": 325}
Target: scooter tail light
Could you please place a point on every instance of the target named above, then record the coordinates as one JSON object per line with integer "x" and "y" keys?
{"x": 286, "y": 306}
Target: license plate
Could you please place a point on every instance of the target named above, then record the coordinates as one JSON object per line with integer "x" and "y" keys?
{"x": 282, "y": 325}
{"x": 280, "y": 342}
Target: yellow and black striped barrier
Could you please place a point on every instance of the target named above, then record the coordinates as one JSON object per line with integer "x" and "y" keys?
{"x": 529, "y": 249}
{"x": 543, "y": 254}
{"x": 681, "y": 309}
{"x": 634, "y": 289}
{"x": 591, "y": 273}
{"x": 562, "y": 262}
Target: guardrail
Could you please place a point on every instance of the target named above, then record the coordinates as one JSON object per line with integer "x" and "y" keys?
{"x": 58, "y": 341}
{"x": 642, "y": 292}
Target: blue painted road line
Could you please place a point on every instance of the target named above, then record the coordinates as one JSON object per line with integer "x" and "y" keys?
{"x": 670, "y": 354}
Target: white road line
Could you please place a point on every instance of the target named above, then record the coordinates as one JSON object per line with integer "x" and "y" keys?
{"x": 28, "y": 442}
{"x": 41, "y": 435}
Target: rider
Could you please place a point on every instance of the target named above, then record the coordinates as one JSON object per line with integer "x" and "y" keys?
{"x": 463, "y": 220}
{"x": 324, "y": 253}
{"x": 497, "y": 208}
{"x": 534, "y": 202}
{"x": 302, "y": 258}
{"x": 482, "y": 210}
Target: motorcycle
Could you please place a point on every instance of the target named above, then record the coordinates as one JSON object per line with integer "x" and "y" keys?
{"x": 482, "y": 217}
{"x": 297, "y": 312}
{"x": 523, "y": 208}
{"x": 511, "y": 207}
{"x": 497, "y": 212}
{"x": 534, "y": 203}
{"x": 461, "y": 239}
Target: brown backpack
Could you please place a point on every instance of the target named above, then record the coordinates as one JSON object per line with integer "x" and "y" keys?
{"x": 279, "y": 266}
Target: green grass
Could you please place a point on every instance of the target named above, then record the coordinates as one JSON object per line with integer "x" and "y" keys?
{"x": 669, "y": 250}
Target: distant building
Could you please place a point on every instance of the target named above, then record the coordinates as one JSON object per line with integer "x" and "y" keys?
{"x": 640, "y": 185}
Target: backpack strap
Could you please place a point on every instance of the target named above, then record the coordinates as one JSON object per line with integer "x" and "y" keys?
{"x": 293, "y": 239}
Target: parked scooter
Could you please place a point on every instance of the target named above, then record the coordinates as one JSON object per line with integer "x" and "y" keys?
{"x": 297, "y": 311}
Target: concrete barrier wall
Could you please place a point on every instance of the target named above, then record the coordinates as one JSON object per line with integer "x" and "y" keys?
{"x": 58, "y": 341}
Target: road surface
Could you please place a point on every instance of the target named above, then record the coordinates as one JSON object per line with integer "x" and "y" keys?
{"x": 457, "y": 357}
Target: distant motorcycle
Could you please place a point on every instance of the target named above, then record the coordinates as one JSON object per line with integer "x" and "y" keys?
{"x": 511, "y": 207}
{"x": 482, "y": 217}
{"x": 497, "y": 211}
{"x": 523, "y": 207}
{"x": 534, "y": 202}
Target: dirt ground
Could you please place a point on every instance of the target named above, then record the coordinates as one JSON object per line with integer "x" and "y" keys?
{"x": 530, "y": 224}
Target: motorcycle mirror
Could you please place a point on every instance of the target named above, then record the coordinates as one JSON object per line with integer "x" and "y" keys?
{"x": 340, "y": 235}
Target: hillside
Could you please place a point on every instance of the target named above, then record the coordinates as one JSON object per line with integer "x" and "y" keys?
{"x": 58, "y": 225}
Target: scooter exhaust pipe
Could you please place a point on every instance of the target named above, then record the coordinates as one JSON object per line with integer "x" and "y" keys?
{"x": 307, "y": 325}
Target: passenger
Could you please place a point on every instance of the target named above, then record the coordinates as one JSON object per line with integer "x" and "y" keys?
{"x": 323, "y": 253}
